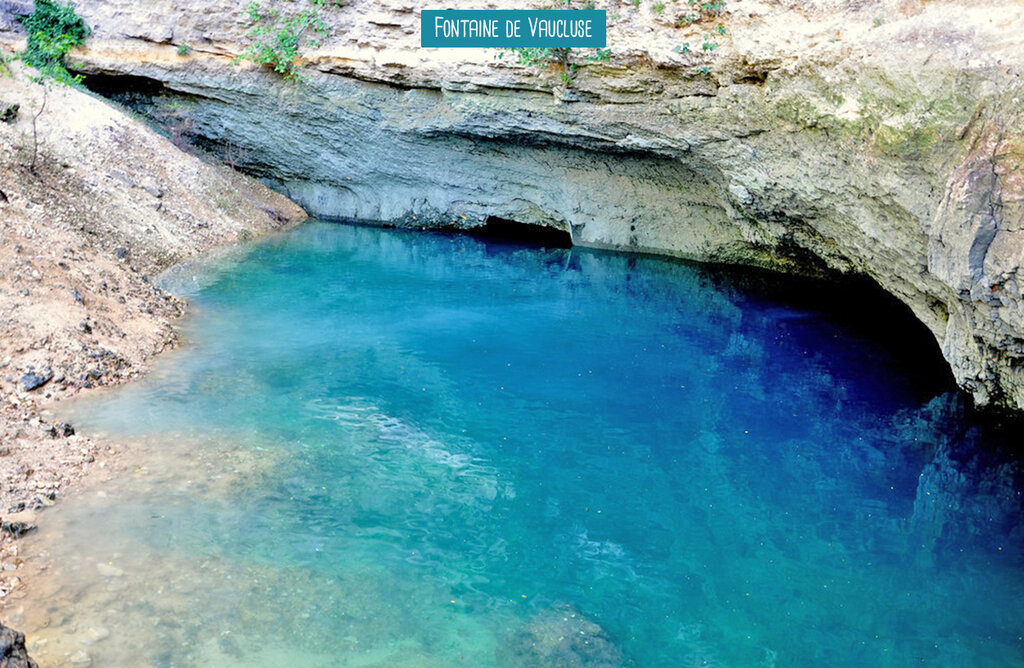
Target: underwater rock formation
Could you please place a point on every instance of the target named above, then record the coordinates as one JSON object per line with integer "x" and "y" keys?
{"x": 560, "y": 636}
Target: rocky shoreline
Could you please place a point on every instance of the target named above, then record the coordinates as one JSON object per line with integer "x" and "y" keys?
{"x": 87, "y": 217}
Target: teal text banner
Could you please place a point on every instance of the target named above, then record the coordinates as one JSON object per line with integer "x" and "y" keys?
{"x": 511, "y": 28}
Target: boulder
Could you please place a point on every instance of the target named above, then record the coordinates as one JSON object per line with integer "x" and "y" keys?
{"x": 12, "y": 649}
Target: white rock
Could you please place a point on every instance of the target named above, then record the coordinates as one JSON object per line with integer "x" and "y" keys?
{"x": 109, "y": 570}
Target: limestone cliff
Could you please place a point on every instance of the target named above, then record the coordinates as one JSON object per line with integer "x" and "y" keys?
{"x": 882, "y": 138}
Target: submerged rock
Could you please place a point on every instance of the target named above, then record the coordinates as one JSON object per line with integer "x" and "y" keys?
{"x": 109, "y": 570}
{"x": 12, "y": 649}
{"x": 560, "y": 636}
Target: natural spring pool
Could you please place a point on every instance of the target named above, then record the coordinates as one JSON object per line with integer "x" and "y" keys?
{"x": 386, "y": 448}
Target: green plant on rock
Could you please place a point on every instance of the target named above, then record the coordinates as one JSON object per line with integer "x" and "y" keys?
{"x": 565, "y": 57}
{"x": 184, "y": 49}
{"x": 685, "y": 50}
{"x": 540, "y": 57}
{"x": 701, "y": 10}
{"x": 278, "y": 37}
{"x": 53, "y": 30}
{"x": 709, "y": 43}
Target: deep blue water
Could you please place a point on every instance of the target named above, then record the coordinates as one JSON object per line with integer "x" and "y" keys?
{"x": 394, "y": 448}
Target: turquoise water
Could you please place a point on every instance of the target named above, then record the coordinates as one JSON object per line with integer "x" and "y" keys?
{"x": 393, "y": 448}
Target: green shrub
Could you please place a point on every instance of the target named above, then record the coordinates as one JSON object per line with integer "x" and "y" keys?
{"x": 184, "y": 49}
{"x": 53, "y": 30}
{"x": 279, "y": 37}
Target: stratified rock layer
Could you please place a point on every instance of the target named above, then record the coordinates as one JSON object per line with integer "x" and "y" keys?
{"x": 882, "y": 138}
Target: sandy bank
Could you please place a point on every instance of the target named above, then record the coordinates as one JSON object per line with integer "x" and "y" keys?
{"x": 93, "y": 204}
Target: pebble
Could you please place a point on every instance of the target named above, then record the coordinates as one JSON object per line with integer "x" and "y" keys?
{"x": 109, "y": 571}
{"x": 80, "y": 658}
{"x": 98, "y": 633}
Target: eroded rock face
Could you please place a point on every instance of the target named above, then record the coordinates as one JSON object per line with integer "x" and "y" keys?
{"x": 883, "y": 138}
{"x": 10, "y": 10}
{"x": 12, "y": 649}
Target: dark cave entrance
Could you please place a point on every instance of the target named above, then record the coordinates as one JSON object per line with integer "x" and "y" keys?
{"x": 129, "y": 90}
{"x": 528, "y": 233}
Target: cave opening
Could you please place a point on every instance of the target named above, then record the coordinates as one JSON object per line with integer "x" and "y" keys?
{"x": 129, "y": 90}
{"x": 528, "y": 233}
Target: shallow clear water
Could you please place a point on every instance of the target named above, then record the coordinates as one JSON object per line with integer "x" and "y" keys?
{"x": 388, "y": 448}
